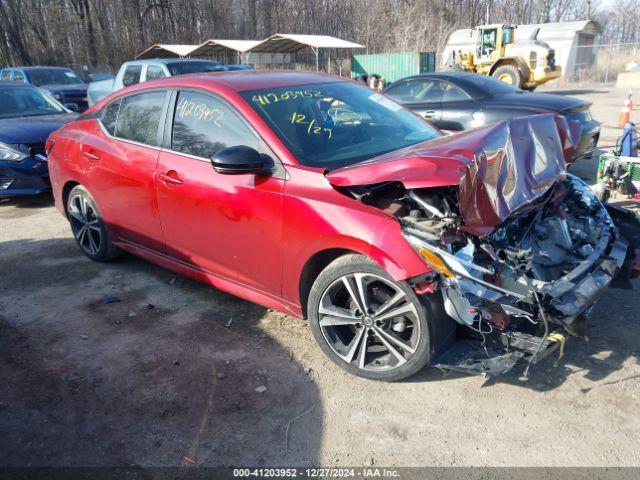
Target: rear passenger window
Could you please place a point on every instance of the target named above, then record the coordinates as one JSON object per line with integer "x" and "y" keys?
{"x": 417, "y": 90}
{"x": 453, "y": 93}
{"x": 131, "y": 75}
{"x": 139, "y": 117}
{"x": 154, "y": 72}
{"x": 18, "y": 76}
{"x": 202, "y": 125}
{"x": 109, "y": 116}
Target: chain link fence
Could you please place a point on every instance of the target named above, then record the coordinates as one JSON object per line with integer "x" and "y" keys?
{"x": 601, "y": 63}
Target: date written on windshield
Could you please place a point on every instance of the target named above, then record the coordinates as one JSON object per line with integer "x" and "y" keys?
{"x": 312, "y": 127}
{"x": 271, "y": 97}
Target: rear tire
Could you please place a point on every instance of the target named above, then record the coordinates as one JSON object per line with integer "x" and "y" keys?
{"x": 88, "y": 228}
{"x": 366, "y": 322}
{"x": 508, "y": 74}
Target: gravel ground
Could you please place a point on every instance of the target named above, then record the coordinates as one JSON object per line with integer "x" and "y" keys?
{"x": 127, "y": 364}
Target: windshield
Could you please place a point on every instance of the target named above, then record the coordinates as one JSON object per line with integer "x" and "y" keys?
{"x": 193, "y": 67}
{"x": 331, "y": 125}
{"x": 53, "y": 76}
{"x": 26, "y": 102}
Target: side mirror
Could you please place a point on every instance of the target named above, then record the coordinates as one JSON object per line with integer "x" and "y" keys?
{"x": 71, "y": 106}
{"x": 239, "y": 159}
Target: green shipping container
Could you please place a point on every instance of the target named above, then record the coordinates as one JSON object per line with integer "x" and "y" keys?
{"x": 393, "y": 66}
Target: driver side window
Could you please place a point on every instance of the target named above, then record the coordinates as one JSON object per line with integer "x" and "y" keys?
{"x": 203, "y": 125}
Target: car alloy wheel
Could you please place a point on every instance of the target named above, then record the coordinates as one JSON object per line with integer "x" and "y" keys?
{"x": 369, "y": 322}
{"x": 85, "y": 224}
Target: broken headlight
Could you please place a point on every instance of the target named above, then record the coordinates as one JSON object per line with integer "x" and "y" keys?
{"x": 10, "y": 154}
{"x": 450, "y": 265}
{"x": 432, "y": 259}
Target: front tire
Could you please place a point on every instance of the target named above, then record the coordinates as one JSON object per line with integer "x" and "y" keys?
{"x": 366, "y": 322}
{"x": 87, "y": 226}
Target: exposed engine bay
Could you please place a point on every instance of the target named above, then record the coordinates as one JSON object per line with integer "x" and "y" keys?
{"x": 518, "y": 249}
{"x": 522, "y": 287}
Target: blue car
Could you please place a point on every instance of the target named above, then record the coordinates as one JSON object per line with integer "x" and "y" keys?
{"x": 27, "y": 117}
{"x": 63, "y": 83}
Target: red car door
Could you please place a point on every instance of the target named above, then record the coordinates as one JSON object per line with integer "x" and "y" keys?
{"x": 228, "y": 225}
{"x": 121, "y": 157}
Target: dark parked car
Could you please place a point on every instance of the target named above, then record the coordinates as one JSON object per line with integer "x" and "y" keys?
{"x": 62, "y": 83}
{"x": 458, "y": 101}
{"x": 27, "y": 117}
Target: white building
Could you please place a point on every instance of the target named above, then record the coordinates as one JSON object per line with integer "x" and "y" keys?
{"x": 573, "y": 42}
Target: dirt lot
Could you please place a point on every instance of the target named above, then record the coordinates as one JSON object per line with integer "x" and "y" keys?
{"x": 125, "y": 364}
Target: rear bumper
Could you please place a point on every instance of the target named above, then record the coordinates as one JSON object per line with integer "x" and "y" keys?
{"x": 29, "y": 177}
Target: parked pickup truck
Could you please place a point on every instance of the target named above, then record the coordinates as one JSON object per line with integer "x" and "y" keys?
{"x": 62, "y": 83}
{"x": 139, "y": 71}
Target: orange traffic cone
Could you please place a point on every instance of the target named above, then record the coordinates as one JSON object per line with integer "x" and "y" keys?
{"x": 625, "y": 113}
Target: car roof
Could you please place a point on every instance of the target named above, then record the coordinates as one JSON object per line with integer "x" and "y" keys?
{"x": 168, "y": 61}
{"x": 186, "y": 60}
{"x": 244, "y": 80}
{"x": 445, "y": 75}
{"x": 460, "y": 79}
{"x": 38, "y": 68}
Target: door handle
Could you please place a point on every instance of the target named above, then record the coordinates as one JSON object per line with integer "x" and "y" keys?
{"x": 429, "y": 114}
{"x": 91, "y": 156}
{"x": 170, "y": 178}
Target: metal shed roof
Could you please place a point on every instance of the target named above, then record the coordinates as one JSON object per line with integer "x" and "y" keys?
{"x": 220, "y": 46}
{"x": 290, "y": 43}
{"x": 163, "y": 50}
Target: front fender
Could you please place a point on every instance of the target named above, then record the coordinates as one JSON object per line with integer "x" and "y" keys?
{"x": 318, "y": 218}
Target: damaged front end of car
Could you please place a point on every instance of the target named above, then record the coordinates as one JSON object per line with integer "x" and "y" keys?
{"x": 518, "y": 249}
{"x": 527, "y": 284}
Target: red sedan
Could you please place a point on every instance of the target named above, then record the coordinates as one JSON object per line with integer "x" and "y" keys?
{"x": 323, "y": 199}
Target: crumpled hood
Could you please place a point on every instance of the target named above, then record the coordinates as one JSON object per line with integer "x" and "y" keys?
{"x": 498, "y": 169}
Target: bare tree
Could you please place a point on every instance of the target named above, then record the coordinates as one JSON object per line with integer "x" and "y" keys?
{"x": 103, "y": 33}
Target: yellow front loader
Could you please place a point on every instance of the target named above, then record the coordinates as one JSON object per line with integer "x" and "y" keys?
{"x": 523, "y": 63}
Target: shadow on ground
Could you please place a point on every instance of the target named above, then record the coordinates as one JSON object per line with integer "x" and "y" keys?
{"x": 124, "y": 364}
{"x": 31, "y": 201}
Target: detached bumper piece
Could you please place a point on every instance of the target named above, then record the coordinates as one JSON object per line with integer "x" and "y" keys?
{"x": 500, "y": 354}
